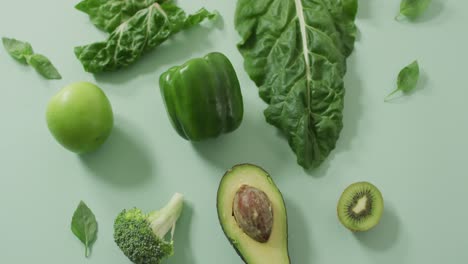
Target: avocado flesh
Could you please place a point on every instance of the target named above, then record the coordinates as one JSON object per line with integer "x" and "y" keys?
{"x": 275, "y": 250}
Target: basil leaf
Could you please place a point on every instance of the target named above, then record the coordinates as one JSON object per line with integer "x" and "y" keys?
{"x": 23, "y": 52}
{"x": 17, "y": 49}
{"x": 107, "y": 15}
{"x": 147, "y": 29}
{"x": 407, "y": 79}
{"x": 295, "y": 52}
{"x": 84, "y": 226}
{"x": 412, "y": 9}
{"x": 43, "y": 66}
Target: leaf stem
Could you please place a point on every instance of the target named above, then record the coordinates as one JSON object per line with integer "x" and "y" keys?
{"x": 387, "y": 98}
{"x": 28, "y": 59}
{"x": 399, "y": 17}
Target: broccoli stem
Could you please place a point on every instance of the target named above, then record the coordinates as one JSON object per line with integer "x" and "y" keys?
{"x": 163, "y": 220}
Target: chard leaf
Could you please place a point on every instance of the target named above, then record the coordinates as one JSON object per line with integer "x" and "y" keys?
{"x": 412, "y": 9}
{"x": 147, "y": 29}
{"x": 407, "y": 79}
{"x": 23, "y": 52}
{"x": 84, "y": 226}
{"x": 107, "y": 15}
{"x": 295, "y": 51}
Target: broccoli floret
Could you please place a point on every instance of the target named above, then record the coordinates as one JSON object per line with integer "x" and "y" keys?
{"x": 141, "y": 237}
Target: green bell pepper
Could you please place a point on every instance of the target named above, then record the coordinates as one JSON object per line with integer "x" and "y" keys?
{"x": 203, "y": 97}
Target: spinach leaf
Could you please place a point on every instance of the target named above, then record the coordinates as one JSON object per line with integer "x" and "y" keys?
{"x": 84, "y": 226}
{"x": 295, "y": 52}
{"x": 412, "y": 9}
{"x": 43, "y": 66}
{"x": 18, "y": 49}
{"x": 23, "y": 52}
{"x": 407, "y": 79}
{"x": 109, "y": 14}
{"x": 147, "y": 29}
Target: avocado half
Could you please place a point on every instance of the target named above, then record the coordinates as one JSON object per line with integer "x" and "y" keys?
{"x": 275, "y": 249}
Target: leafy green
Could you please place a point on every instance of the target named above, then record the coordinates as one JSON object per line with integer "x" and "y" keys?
{"x": 412, "y": 9}
{"x": 18, "y": 49}
{"x": 109, "y": 14}
{"x": 407, "y": 79}
{"x": 43, "y": 66}
{"x": 23, "y": 52}
{"x": 84, "y": 226}
{"x": 144, "y": 31}
{"x": 295, "y": 52}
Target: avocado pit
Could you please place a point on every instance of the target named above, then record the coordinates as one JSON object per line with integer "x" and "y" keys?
{"x": 253, "y": 213}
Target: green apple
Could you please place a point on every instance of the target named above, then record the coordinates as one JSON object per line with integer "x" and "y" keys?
{"x": 80, "y": 117}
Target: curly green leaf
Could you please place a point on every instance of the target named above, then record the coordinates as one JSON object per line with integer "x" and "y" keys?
{"x": 295, "y": 52}
{"x": 107, "y": 15}
{"x": 144, "y": 31}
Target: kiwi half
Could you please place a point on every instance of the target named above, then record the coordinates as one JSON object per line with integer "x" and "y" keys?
{"x": 360, "y": 206}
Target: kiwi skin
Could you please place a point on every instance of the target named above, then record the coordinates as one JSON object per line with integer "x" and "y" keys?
{"x": 377, "y": 207}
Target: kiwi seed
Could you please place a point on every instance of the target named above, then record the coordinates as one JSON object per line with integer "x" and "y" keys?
{"x": 360, "y": 206}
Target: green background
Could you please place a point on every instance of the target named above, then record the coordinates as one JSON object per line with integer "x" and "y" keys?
{"x": 413, "y": 148}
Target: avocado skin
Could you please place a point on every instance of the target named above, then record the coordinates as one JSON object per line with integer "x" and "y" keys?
{"x": 232, "y": 241}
